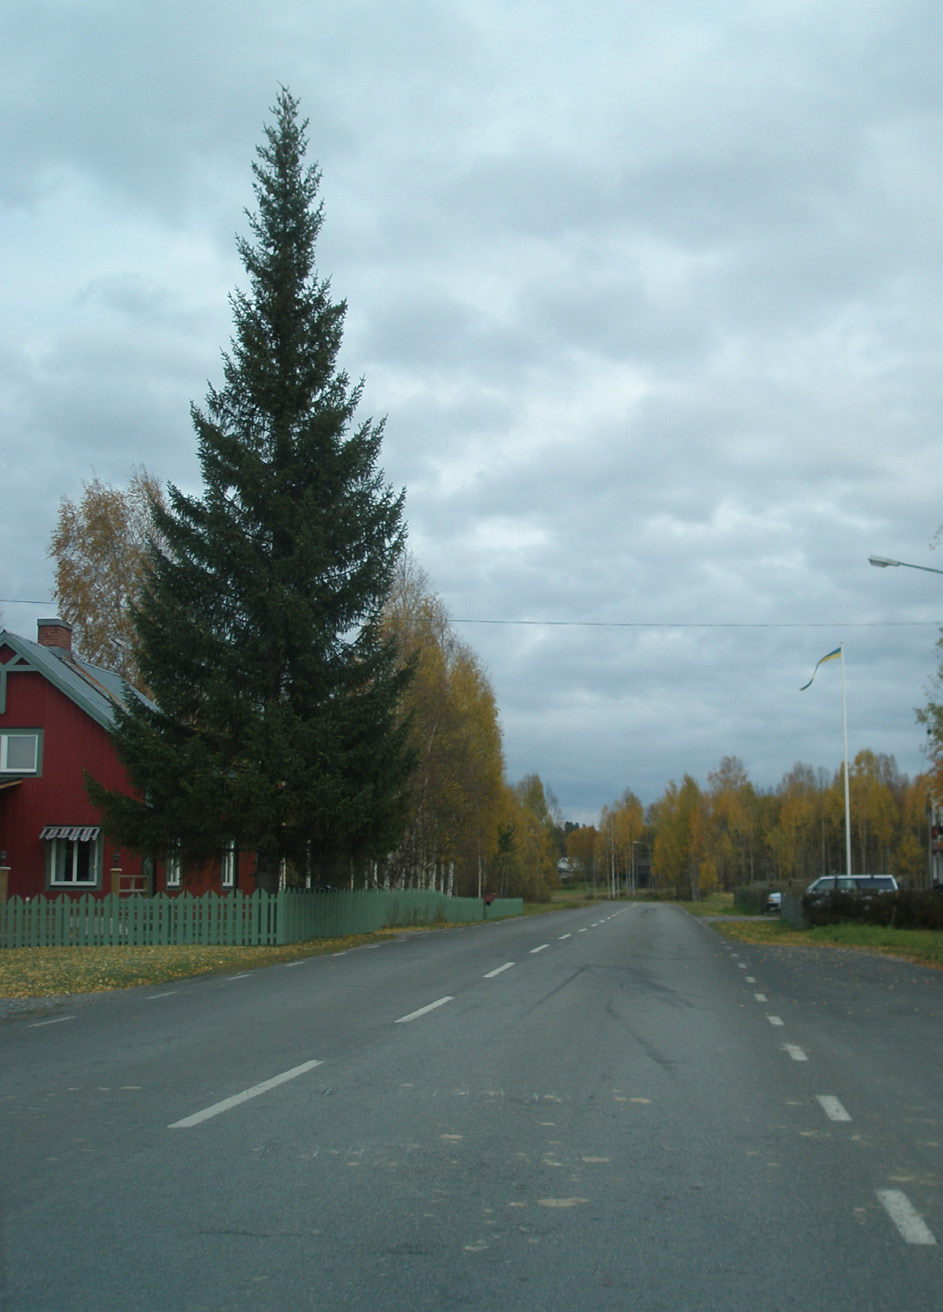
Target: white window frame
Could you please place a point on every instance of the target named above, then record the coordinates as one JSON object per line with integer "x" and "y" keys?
{"x": 71, "y": 855}
{"x": 173, "y": 866}
{"x": 227, "y": 866}
{"x": 9, "y": 735}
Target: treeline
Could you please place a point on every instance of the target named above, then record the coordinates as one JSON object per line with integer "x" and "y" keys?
{"x": 729, "y": 833}
{"x": 469, "y": 830}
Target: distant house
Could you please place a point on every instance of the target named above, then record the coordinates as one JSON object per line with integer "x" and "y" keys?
{"x": 56, "y": 715}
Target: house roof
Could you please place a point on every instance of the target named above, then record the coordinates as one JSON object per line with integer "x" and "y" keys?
{"x": 95, "y": 690}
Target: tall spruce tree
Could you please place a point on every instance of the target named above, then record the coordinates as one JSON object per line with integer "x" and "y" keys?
{"x": 275, "y": 723}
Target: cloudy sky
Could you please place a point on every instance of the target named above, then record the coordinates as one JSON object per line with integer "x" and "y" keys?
{"x": 650, "y": 295}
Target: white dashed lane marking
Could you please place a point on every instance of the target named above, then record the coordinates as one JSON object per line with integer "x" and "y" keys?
{"x": 795, "y": 1053}
{"x": 423, "y": 1011}
{"x": 228, "y": 1103}
{"x": 910, "y": 1225}
{"x": 832, "y": 1107}
{"x": 497, "y": 971}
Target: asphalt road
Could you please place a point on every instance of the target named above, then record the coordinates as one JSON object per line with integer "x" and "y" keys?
{"x": 600, "y": 1109}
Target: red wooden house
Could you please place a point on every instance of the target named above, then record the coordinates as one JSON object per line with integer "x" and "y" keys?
{"x": 56, "y": 714}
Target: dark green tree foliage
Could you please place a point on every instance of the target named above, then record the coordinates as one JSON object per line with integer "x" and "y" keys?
{"x": 261, "y": 643}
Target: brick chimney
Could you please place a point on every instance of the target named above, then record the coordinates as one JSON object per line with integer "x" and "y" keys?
{"x": 55, "y": 633}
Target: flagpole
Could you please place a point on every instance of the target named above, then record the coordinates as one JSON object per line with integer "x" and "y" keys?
{"x": 844, "y": 716}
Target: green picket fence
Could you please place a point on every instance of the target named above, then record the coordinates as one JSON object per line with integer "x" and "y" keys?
{"x": 245, "y": 919}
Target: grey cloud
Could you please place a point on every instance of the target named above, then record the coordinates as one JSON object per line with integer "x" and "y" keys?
{"x": 648, "y": 296}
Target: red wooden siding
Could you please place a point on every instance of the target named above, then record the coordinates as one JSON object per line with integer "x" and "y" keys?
{"x": 72, "y": 743}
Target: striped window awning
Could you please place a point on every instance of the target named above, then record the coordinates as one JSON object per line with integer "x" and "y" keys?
{"x": 75, "y": 833}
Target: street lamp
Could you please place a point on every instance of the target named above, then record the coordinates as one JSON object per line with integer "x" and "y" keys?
{"x": 882, "y": 562}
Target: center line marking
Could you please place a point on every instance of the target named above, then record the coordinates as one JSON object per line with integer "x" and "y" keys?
{"x": 902, "y": 1212}
{"x": 795, "y": 1052}
{"x": 760, "y": 997}
{"x": 832, "y": 1107}
{"x": 491, "y": 973}
{"x": 774, "y": 1020}
{"x": 414, "y": 1015}
{"x": 750, "y": 979}
{"x": 563, "y": 936}
{"x": 238, "y": 1098}
{"x": 540, "y": 949}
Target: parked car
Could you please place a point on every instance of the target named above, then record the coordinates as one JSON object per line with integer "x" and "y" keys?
{"x": 774, "y": 902}
{"x": 853, "y": 884}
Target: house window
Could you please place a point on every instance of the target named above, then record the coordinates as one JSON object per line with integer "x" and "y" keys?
{"x": 228, "y": 866}
{"x": 173, "y": 867}
{"x": 20, "y": 751}
{"x": 73, "y": 856}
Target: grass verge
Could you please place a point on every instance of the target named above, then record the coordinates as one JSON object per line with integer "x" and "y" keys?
{"x": 922, "y": 946}
{"x": 715, "y": 904}
{"x": 61, "y": 972}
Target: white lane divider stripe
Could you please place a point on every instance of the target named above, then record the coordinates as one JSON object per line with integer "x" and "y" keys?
{"x": 775, "y": 1020}
{"x": 540, "y": 949}
{"x": 760, "y": 997}
{"x": 423, "y": 1011}
{"x": 228, "y": 1103}
{"x": 152, "y": 997}
{"x": 900, "y": 1209}
{"x": 832, "y": 1107}
{"x": 491, "y": 973}
{"x": 795, "y": 1052}
{"x": 563, "y": 936}
{"x": 56, "y": 1020}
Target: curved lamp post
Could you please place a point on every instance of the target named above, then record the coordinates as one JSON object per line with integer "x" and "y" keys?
{"x": 882, "y": 562}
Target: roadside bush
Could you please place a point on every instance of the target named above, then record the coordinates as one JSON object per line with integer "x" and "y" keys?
{"x": 907, "y": 909}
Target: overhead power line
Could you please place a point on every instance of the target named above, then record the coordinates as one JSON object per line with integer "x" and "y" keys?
{"x": 662, "y": 624}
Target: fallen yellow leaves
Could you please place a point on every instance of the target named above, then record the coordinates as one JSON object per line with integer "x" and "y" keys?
{"x": 60, "y": 972}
